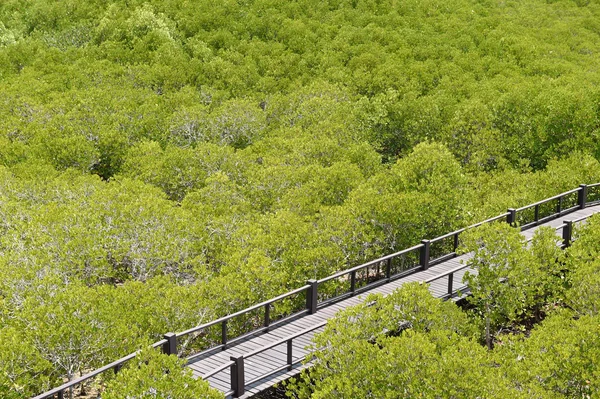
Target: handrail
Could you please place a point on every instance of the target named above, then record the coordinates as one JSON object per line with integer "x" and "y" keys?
{"x": 86, "y": 377}
{"x": 464, "y": 266}
{"x": 447, "y": 273}
{"x": 311, "y": 296}
{"x": 238, "y": 378}
{"x": 284, "y": 340}
{"x": 549, "y": 199}
{"x": 217, "y": 370}
{"x": 567, "y": 240}
{"x": 580, "y": 219}
{"x": 370, "y": 263}
{"x": 241, "y": 312}
{"x": 94, "y": 373}
{"x": 490, "y": 220}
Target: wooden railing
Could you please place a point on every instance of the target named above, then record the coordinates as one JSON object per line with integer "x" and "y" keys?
{"x": 346, "y": 283}
{"x": 267, "y": 322}
{"x": 236, "y": 365}
{"x": 115, "y": 366}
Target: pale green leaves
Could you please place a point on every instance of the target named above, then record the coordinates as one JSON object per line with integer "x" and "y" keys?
{"x": 405, "y": 345}
{"x": 7, "y": 37}
{"x": 511, "y": 280}
{"x": 153, "y": 375}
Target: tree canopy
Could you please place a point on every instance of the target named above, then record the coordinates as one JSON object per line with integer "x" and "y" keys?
{"x": 166, "y": 162}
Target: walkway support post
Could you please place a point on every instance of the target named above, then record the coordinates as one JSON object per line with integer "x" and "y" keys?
{"x": 224, "y": 334}
{"x": 290, "y": 349}
{"x": 582, "y": 195}
{"x": 424, "y": 254}
{"x": 267, "y": 320}
{"x": 170, "y": 347}
{"x": 238, "y": 385}
{"x": 511, "y": 218}
{"x": 388, "y": 269}
{"x": 567, "y": 233}
{"x": 311, "y": 296}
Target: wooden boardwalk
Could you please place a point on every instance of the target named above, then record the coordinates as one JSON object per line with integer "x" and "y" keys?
{"x": 243, "y": 364}
{"x": 257, "y": 363}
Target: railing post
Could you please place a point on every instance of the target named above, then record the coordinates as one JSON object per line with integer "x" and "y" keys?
{"x": 511, "y": 218}
{"x": 61, "y": 395}
{"x": 267, "y": 316}
{"x": 170, "y": 347}
{"x": 238, "y": 385}
{"x": 582, "y": 195}
{"x": 224, "y": 334}
{"x": 537, "y": 213}
{"x": 424, "y": 254}
{"x": 289, "y": 354}
{"x": 353, "y": 281}
{"x": 455, "y": 244}
{"x": 567, "y": 233}
{"x": 388, "y": 269}
{"x": 450, "y": 281}
{"x": 311, "y": 296}
{"x": 559, "y": 205}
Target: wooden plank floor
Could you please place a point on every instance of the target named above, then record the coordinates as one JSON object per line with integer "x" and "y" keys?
{"x": 274, "y": 358}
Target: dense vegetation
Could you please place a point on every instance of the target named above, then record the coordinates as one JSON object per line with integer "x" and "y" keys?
{"x": 410, "y": 344}
{"x": 166, "y": 162}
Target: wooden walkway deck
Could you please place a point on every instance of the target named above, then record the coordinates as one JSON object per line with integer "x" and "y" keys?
{"x": 257, "y": 363}
{"x": 250, "y": 358}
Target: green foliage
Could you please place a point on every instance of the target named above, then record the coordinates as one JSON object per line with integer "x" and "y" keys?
{"x": 492, "y": 193}
{"x": 364, "y": 353}
{"x": 390, "y": 207}
{"x": 510, "y": 280}
{"x": 415, "y": 364}
{"x": 411, "y": 307}
{"x": 558, "y": 360}
{"x": 178, "y": 170}
{"x": 466, "y": 74}
{"x": 24, "y": 370}
{"x": 154, "y": 375}
{"x": 73, "y": 328}
{"x": 583, "y": 261}
{"x": 548, "y": 275}
{"x": 195, "y": 158}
